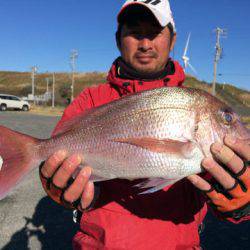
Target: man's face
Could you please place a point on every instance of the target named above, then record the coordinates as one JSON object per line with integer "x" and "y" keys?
{"x": 146, "y": 46}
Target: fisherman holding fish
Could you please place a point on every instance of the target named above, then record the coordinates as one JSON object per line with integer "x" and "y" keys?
{"x": 152, "y": 205}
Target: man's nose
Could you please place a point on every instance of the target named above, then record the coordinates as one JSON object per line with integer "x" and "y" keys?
{"x": 145, "y": 44}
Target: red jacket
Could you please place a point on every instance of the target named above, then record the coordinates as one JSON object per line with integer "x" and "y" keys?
{"x": 168, "y": 219}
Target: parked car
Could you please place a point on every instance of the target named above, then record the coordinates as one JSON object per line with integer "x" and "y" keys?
{"x": 13, "y": 102}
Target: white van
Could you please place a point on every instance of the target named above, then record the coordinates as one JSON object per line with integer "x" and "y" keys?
{"x": 13, "y": 102}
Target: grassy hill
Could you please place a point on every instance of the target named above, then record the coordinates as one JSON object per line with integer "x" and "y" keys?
{"x": 237, "y": 98}
{"x": 19, "y": 83}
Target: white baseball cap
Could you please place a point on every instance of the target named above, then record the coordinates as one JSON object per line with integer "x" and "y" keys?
{"x": 159, "y": 8}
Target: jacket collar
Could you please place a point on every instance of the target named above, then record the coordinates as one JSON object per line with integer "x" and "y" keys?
{"x": 125, "y": 83}
{"x": 125, "y": 71}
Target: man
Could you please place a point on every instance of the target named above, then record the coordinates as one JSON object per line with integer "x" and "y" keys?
{"x": 118, "y": 218}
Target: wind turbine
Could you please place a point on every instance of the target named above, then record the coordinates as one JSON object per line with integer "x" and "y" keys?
{"x": 186, "y": 59}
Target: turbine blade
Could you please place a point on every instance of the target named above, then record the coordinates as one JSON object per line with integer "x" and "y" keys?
{"x": 185, "y": 63}
{"x": 187, "y": 43}
{"x": 192, "y": 68}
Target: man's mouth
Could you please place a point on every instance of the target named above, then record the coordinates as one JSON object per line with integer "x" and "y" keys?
{"x": 144, "y": 58}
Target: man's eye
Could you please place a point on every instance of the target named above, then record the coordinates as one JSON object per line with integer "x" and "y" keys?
{"x": 157, "y": 34}
{"x": 133, "y": 32}
{"x": 137, "y": 35}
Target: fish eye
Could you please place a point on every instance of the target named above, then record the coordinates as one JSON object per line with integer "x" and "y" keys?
{"x": 228, "y": 118}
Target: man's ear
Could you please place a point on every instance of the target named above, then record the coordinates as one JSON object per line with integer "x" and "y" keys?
{"x": 173, "y": 40}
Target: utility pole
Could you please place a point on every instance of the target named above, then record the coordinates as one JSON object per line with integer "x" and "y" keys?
{"x": 53, "y": 90}
{"x": 47, "y": 89}
{"x": 73, "y": 57}
{"x": 218, "y": 51}
{"x": 33, "y": 72}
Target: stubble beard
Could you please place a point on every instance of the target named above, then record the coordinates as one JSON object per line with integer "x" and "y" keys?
{"x": 147, "y": 69}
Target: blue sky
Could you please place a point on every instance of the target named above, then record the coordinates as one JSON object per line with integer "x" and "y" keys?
{"x": 43, "y": 32}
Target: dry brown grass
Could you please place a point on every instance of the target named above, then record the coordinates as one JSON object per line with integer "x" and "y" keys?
{"x": 45, "y": 110}
{"x": 246, "y": 120}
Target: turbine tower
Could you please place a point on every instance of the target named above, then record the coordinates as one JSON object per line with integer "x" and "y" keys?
{"x": 186, "y": 59}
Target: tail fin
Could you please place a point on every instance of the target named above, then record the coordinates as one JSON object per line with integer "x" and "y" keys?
{"x": 18, "y": 152}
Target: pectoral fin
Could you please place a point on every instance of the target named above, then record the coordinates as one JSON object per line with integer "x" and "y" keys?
{"x": 160, "y": 145}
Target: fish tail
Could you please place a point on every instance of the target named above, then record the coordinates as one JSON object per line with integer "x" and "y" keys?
{"x": 18, "y": 155}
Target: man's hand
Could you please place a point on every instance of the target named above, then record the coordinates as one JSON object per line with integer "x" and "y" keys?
{"x": 234, "y": 154}
{"x": 56, "y": 176}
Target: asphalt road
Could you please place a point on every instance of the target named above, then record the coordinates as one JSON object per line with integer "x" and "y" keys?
{"x": 30, "y": 220}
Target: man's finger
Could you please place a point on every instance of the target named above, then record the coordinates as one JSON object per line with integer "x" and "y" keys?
{"x": 75, "y": 190}
{"x": 87, "y": 195}
{"x": 66, "y": 170}
{"x": 222, "y": 176}
{"x": 225, "y": 155}
{"x": 53, "y": 162}
{"x": 245, "y": 177}
{"x": 199, "y": 182}
{"x": 241, "y": 147}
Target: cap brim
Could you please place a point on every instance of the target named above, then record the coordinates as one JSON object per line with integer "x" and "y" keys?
{"x": 156, "y": 15}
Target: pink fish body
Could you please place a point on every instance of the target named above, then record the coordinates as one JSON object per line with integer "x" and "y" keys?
{"x": 161, "y": 134}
